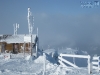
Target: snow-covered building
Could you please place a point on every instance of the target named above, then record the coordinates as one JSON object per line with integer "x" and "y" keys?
{"x": 17, "y": 43}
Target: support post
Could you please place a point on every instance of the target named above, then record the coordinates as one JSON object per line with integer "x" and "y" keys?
{"x": 31, "y": 45}
{"x": 37, "y": 39}
{"x": 36, "y": 49}
{"x": 24, "y": 48}
{"x": 44, "y": 67}
{"x": 88, "y": 64}
{"x": 74, "y": 60}
{"x": 98, "y": 63}
{"x": 61, "y": 58}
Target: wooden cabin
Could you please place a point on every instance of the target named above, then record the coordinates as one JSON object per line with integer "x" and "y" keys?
{"x": 17, "y": 43}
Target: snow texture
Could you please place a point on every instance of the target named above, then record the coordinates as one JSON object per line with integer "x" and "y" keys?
{"x": 34, "y": 66}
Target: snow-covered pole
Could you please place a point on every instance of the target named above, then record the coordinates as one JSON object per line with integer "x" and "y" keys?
{"x": 37, "y": 39}
{"x": 74, "y": 60}
{"x": 30, "y": 19}
{"x": 44, "y": 67}
{"x": 98, "y": 63}
{"x": 37, "y": 32}
{"x": 31, "y": 45}
{"x": 24, "y": 49}
{"x": 36, "y": 49}
{"x": 10, "y": 54}
{"x": 61, "y": 57}
{"x": 14, "y": 28}
{"x": 89, "y": 64}
{"x": 37, "y": 43}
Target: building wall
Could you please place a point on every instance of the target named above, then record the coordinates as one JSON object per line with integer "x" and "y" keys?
{"x": 2, "y": 45}
{"x": 10, "y": 47}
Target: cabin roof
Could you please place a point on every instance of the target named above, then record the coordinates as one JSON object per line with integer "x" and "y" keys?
{"x": 17, "y": 38}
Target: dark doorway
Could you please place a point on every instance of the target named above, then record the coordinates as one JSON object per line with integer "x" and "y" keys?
{"x": 15, "y": 48}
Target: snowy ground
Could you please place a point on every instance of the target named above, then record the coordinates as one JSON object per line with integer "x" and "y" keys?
{"x": 34, "y": 66}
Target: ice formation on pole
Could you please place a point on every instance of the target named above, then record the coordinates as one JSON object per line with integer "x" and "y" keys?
{"x": 30, "y": 21}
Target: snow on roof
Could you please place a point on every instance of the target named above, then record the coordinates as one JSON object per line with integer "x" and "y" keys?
{"x": 18, "y": 38}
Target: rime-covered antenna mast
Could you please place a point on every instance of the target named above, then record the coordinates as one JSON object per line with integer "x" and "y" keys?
{"x": 16, "y": 26}
{"x": 30, "y": 21}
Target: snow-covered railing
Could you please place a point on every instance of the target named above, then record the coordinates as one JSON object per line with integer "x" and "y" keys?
{"x": 76, "y": 56}
{"x": 66, "y": 61}
{"x": 96, "y": 63}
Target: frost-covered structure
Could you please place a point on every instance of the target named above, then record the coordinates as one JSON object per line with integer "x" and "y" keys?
{"x": 18, "y": 43}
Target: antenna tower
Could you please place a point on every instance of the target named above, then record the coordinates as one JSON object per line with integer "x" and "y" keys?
{"x": 30, "y": 21}
{"x": 16, "y": 26}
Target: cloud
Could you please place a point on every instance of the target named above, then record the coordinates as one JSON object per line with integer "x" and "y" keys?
{"x": 66, "y": 30}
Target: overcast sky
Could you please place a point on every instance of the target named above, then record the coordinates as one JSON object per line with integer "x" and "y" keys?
{"x": 61, "y": 23}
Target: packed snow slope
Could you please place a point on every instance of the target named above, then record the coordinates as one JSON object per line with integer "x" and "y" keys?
{"x": 20, "y": 65}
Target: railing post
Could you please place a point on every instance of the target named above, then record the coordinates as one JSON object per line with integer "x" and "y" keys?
{"x": 44, "y": 67}
{"x": 98, "y": 63}
{"x": 89, "y": 64}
